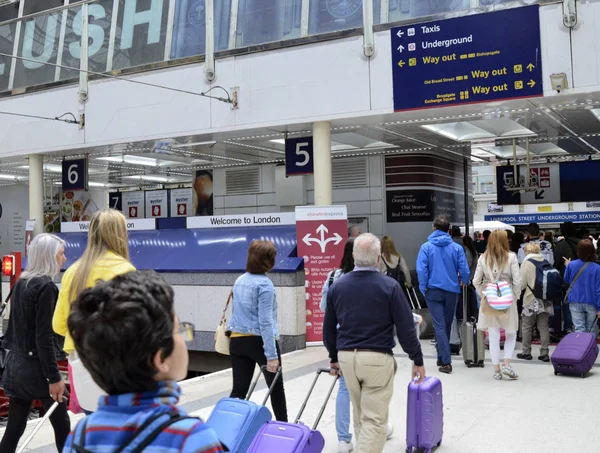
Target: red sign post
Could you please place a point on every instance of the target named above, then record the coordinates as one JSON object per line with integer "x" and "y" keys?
{"x": 321, "y": 233}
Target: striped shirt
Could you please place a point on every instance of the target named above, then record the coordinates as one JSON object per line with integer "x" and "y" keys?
{"x": 119, "y": 416}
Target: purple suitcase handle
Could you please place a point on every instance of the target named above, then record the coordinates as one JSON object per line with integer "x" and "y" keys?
{"x": 319, "y": 371}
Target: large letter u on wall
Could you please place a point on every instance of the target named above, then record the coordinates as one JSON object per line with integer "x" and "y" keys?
{"x": 41, "y": 55}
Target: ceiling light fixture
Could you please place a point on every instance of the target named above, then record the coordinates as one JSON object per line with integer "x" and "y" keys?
{"x": 187, "y": 145}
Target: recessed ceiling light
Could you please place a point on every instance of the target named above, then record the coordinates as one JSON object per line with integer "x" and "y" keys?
{"x": 187, "y": 145}
{"x": 7, "y": 176}
{"x": 133, "y": 160}
{"x": 280, "y": 141}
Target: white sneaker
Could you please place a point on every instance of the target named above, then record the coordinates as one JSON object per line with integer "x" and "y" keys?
{"x": 390, "y": 431}
{"x": 345, "y": 447}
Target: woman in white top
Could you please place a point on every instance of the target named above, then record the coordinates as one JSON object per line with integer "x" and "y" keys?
{"x": 391, "y": 259}
{"x": 498, "y": 263}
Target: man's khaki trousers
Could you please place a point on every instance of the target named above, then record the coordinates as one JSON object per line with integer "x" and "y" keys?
{"x": 370, "y": 381}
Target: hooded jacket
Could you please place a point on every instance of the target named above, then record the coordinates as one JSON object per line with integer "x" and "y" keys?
{"x": 440, "y": 262}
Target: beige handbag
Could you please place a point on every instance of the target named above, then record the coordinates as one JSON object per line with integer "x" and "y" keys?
{"x": 221, "y": 334}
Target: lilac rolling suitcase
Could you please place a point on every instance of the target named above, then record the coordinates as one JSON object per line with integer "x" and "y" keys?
{"x": 281, "y": 437}
{"x": 425, "y": 415}
{"x": 575, "y": 354}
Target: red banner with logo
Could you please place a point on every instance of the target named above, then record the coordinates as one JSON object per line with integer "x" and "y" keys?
{"x": 321, "y": 233}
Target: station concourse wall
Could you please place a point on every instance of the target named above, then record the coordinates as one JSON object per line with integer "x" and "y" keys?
{"x": 327, "y": 80}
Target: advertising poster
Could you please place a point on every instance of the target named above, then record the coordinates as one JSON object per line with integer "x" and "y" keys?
{"x": 321, "y": 235}
{"x": 157, "y": 204}
{"x": 133, "y": 205}
{"x": 182, "y": 202}
{"x": 52, "y": 210}
{"x": 77, "y": 206}
{"x": 203, "y": 193}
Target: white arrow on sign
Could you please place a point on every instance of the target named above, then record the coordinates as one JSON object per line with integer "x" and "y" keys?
{"x": 400, "y": 33}
{"x": 401, "y": 48}
{"x": 336, "y": 238}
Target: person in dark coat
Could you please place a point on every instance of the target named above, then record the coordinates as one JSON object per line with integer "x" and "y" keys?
{"x": 564, "y": 252}
{"x": 31, "y": 371}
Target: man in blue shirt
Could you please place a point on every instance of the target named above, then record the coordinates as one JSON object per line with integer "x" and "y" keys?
{"x": 367, "y": 305}
{"x": 439, "y": 264}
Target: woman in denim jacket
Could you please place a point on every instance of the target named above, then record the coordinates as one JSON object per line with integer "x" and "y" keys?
{"x": 253, "y": 327}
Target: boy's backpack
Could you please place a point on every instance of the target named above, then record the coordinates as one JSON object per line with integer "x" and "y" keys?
{"x": 144, "y": 431}
{"x": 395, "y": 273}
{"x": 548, "y": 282}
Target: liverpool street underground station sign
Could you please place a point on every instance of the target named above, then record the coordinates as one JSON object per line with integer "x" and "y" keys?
{"x": 471, "y": 59}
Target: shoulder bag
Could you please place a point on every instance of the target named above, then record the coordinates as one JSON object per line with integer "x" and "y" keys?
{"x": 497, "y": 295}
{"x": 573, "y": 282}
{"x": 222, "y": 334}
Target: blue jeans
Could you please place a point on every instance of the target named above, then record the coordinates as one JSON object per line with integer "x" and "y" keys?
{"x": 342, "y": 412}
{"x": 442, "y": 307}
{"x": 584, "y": 317}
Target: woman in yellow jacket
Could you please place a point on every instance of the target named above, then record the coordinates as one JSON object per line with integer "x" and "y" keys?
{"x": 105, "y": 257}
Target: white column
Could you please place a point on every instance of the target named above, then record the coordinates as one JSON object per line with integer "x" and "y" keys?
{"x": 322, "y": 161}
{"x": 36, "y": 192}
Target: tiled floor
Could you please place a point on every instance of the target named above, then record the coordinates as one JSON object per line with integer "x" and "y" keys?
{"x": 537, "y": 413}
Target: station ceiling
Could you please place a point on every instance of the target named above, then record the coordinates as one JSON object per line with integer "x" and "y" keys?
{"x": 554, "y": 129}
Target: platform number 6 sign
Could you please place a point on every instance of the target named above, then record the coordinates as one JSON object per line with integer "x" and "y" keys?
{"x": 74, "y": 174}
{"x": 299, "y": 156}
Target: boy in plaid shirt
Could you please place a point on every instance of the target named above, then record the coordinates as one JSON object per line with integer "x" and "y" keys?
{"x": 130, "y": 340}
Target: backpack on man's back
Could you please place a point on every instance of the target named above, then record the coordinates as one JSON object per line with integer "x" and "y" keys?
{"x": 548, "y": 282}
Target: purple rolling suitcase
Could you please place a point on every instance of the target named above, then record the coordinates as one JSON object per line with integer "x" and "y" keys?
{"x": 575, "y": 354}
{"x": 281, "y": 437}
{"x": 425, "y": 415}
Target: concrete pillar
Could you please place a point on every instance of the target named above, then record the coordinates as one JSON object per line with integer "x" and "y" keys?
{"x": 322, "y": 160}
{"x": 36, "y": 192}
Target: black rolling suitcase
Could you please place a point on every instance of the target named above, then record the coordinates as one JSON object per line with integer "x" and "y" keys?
{"x": 472, "y": 339}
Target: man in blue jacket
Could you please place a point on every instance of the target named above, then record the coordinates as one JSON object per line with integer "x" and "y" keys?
{"x": 440, "y": 263}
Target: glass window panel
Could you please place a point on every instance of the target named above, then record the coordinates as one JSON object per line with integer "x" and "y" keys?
{"x": 36, "y": 6}
{"x": 262, "y": 21}
{"x": 100, "y": 18}
{"x": 38, "y": 42}
{"x": 141, "y": 32}
{"x": 7, "y": 42}
{"x": 189, "y": 27}
{"x": 408, "y": 9}
{"x": 72, "y": 44}
{"x": 335, "y": 15}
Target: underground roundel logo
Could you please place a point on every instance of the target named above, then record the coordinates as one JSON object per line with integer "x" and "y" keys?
{"x": 343, "y": 9}
{"x": 196, "y": 14}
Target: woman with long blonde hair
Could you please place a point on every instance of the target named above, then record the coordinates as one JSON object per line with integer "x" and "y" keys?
{"x": 499, "y": 264}
{"x": 393, "y": 264}
{"x": 105, "y": 257}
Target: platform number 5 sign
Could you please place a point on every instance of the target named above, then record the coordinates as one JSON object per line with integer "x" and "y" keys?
{"x": 299, "y": 156}
{"x": 74, "y": 174}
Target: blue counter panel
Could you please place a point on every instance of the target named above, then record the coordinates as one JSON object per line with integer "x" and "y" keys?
{"x": 199, "y": 250}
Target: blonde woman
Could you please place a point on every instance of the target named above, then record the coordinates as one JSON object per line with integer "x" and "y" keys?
{"x": 105, "y": 257}
{"x": 393, "y": 264}
{"x": 498, "y": 263}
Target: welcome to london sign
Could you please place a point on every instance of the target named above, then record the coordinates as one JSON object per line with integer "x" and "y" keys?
{"x": 122, "y": 33}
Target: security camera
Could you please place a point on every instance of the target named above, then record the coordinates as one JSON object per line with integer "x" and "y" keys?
{"x": 559, "y": 82}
